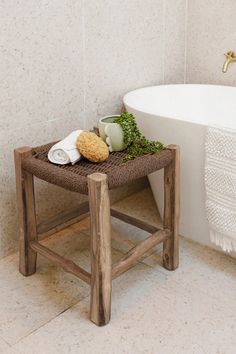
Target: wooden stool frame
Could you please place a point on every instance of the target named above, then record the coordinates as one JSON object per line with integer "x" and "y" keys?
{"x": 102, "y": 270}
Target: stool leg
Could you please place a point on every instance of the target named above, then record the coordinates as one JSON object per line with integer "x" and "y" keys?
{"x": 99, "y": 203}
{"x": 26, "y": 212}
{"x": 171, "y": 211}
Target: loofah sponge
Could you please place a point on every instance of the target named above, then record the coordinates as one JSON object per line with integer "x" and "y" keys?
{"x": 92, "y": 147}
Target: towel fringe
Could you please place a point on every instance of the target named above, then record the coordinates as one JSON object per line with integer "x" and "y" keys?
{"x": 225, "y": 242}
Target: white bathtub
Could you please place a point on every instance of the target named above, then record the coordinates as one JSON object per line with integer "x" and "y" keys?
{"x": 180, "y": 114}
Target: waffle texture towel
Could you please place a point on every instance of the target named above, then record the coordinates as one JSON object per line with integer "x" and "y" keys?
{"x": 220, "y": 182}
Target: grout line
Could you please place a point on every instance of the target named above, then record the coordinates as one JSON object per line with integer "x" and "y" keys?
{"x": 51, "y": 319}
{"x": 11, "y": 253}
{"x": 84, "y": 63}
{"x": 6, "y": 342}
{"x": 185, "y": 41}
{"x": 163, "y": 40}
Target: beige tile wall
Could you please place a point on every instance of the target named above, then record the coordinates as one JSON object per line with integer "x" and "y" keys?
{"x": 123, "y": 50}
{"x": 63, "y": 64}
{"x": 174, "y": 43}
{"x": 210, "y": 33}
{"x": 41, "y": 92}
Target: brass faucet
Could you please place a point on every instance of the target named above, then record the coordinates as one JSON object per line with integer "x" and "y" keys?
{"x": 230, "y": 57}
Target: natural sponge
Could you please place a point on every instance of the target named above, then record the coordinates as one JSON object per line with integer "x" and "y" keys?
{"x": 92, "y": 147}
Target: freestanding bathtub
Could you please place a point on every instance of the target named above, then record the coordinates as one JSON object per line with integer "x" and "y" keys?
{"x": 180, "y": 114}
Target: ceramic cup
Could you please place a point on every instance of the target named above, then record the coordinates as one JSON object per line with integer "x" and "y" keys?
{"x": 111, "y": 133}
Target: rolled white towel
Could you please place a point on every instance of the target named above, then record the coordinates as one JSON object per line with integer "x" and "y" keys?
{"x": 65, "y": 151}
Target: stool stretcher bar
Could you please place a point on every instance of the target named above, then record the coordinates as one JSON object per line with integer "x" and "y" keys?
{"x": 66, "y": 264}
{"x": 133, "y": 221}
{"x": 124, "y": 264}
{"x": 133, "y": 256}
{"x": 63, "y": 219}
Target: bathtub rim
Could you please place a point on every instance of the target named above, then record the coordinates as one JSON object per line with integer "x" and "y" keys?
{"x": 128, "y": 103}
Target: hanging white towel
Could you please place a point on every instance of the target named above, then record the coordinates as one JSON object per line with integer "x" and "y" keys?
{"x": 65, "y": 151}
{"x": 220, "y": 182}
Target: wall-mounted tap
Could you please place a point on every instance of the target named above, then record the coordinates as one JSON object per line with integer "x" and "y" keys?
{"x": 230, "y": 57}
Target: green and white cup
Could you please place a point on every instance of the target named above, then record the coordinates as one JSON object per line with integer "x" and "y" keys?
{"x": 111, "y": 133}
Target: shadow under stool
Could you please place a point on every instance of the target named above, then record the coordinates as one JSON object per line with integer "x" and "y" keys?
{"x": 96, "y": 180}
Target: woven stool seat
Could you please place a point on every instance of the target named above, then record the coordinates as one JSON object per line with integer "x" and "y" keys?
{"x": 74, "y": 177}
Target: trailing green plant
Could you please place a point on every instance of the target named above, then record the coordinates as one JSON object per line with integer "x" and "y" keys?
{"x": 135, "y": 142}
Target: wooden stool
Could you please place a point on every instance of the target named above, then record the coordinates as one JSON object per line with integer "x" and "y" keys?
{"x": 96, "y": 180}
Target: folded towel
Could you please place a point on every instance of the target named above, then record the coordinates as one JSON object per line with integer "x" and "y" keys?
{"x": 65, "y": 151}
{"x": 220, "y": 181}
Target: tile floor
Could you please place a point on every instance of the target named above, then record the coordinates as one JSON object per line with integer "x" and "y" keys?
{"x": 189, "y": 311}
